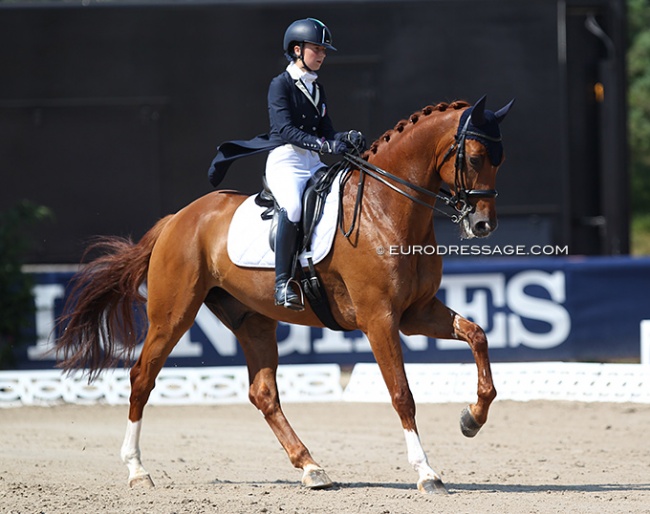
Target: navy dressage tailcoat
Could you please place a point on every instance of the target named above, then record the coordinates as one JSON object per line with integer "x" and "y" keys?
{"x": 296, "y": 116}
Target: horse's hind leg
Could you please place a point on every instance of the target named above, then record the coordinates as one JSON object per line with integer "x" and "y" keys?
{"x": 171, "y": 313}
{"x": 257, "y": 336}
{"x": 437, "y": 320}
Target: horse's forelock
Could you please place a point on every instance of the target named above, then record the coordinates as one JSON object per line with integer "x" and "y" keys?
{"x": 412, "y": 120}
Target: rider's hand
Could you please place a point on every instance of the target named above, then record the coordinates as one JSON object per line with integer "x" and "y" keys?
{"x": 332, "y": 146}
{"x": 353, "y": 139}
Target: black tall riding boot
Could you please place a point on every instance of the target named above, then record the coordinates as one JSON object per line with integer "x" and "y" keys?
{"x": 286, "y": 240}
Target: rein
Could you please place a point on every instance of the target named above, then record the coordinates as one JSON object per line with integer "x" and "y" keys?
{"x": 459, "y": 201}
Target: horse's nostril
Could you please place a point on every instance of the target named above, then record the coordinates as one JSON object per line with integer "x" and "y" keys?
{"x": 482, "y": 227}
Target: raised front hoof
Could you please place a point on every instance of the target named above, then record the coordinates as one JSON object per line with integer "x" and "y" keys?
{"x": 468, "y": 425}
{"x": 316, "y": 479}
{"x": 432, "y": 486}
{"x": 141, "y": 481}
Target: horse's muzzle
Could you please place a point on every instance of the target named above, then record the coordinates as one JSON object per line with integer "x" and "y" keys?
{"x": 483, "y": 228}
{"x": 477, "y": 225}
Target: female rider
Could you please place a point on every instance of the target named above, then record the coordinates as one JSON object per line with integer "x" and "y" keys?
{"x": 300, "y": 120}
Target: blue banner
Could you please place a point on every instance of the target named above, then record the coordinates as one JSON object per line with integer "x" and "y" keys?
{"x": 532, "y": 309}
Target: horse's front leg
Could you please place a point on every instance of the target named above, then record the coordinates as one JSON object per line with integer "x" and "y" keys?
{"x": 387, "y": 349}
{"x": 435, "y": 319}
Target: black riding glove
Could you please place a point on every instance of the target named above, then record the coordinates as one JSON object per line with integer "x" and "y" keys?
{"x": 353, "y": 139}
{"x": 332, "y": 147}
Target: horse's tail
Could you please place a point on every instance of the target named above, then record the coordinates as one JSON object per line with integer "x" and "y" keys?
{"x": 103, "y": 317}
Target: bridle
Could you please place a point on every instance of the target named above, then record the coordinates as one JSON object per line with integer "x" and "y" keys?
{"x": 459, "y": 201}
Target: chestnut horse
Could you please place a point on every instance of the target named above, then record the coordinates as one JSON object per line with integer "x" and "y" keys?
{"x": 184, "y": 261}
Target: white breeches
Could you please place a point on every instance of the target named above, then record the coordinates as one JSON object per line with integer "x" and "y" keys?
{"x": 288, "y": 168}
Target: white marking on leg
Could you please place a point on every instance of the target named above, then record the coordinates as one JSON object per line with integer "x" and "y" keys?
{"x": 417, "y": 458}
{"x": 456, "y": 324}
{"x": 311, "y": 467}
{"x": 130, "y": 451}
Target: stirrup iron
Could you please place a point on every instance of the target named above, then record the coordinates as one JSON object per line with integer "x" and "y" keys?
{"x": 301, "y": 297}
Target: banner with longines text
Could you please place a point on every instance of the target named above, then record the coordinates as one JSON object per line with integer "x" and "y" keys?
{"x": 532, "y": 309}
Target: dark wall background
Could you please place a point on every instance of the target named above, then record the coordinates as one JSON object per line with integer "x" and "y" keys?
{"x": 111, "y": 113}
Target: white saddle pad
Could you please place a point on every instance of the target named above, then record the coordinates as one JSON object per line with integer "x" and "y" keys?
{"x": 248, "y": 235}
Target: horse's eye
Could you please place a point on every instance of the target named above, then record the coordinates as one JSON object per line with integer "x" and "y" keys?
{"x": 476, "y": 161}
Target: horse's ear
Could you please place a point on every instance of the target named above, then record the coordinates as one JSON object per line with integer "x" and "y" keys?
{"x": 501, "y": 113}
{"x": 478, "y": 112}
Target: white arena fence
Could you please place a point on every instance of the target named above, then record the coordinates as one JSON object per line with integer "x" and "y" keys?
{"x": 174, "y": 386}
{"x": 440, "y": 383}
{"x": 430, "y": 383}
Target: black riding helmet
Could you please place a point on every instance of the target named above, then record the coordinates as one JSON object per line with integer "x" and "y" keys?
{"x": 309, "y": 30}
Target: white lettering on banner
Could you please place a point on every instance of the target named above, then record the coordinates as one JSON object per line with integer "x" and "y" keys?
{"x": 457, "y": 289}
{"x": 45, "y": 296}
{"x": 222, "y": 339}
{"x": 508, "y": 329}
{"x": 185, "y": 347}
{"x": 531, "y": 307}
{"x": 333, "y": 341}
{"x": 416, "y": 343}
{"x": 502, "y": 307}
{"x": 298, "y": 341}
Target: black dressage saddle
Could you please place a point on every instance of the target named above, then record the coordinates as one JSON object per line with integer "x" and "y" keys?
{"x": 313, "y": 205}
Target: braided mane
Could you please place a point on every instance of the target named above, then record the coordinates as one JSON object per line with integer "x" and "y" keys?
{"x": 412, "y": 120}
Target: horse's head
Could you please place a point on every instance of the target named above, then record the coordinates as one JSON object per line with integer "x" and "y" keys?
{"x": 472, "y": 174}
